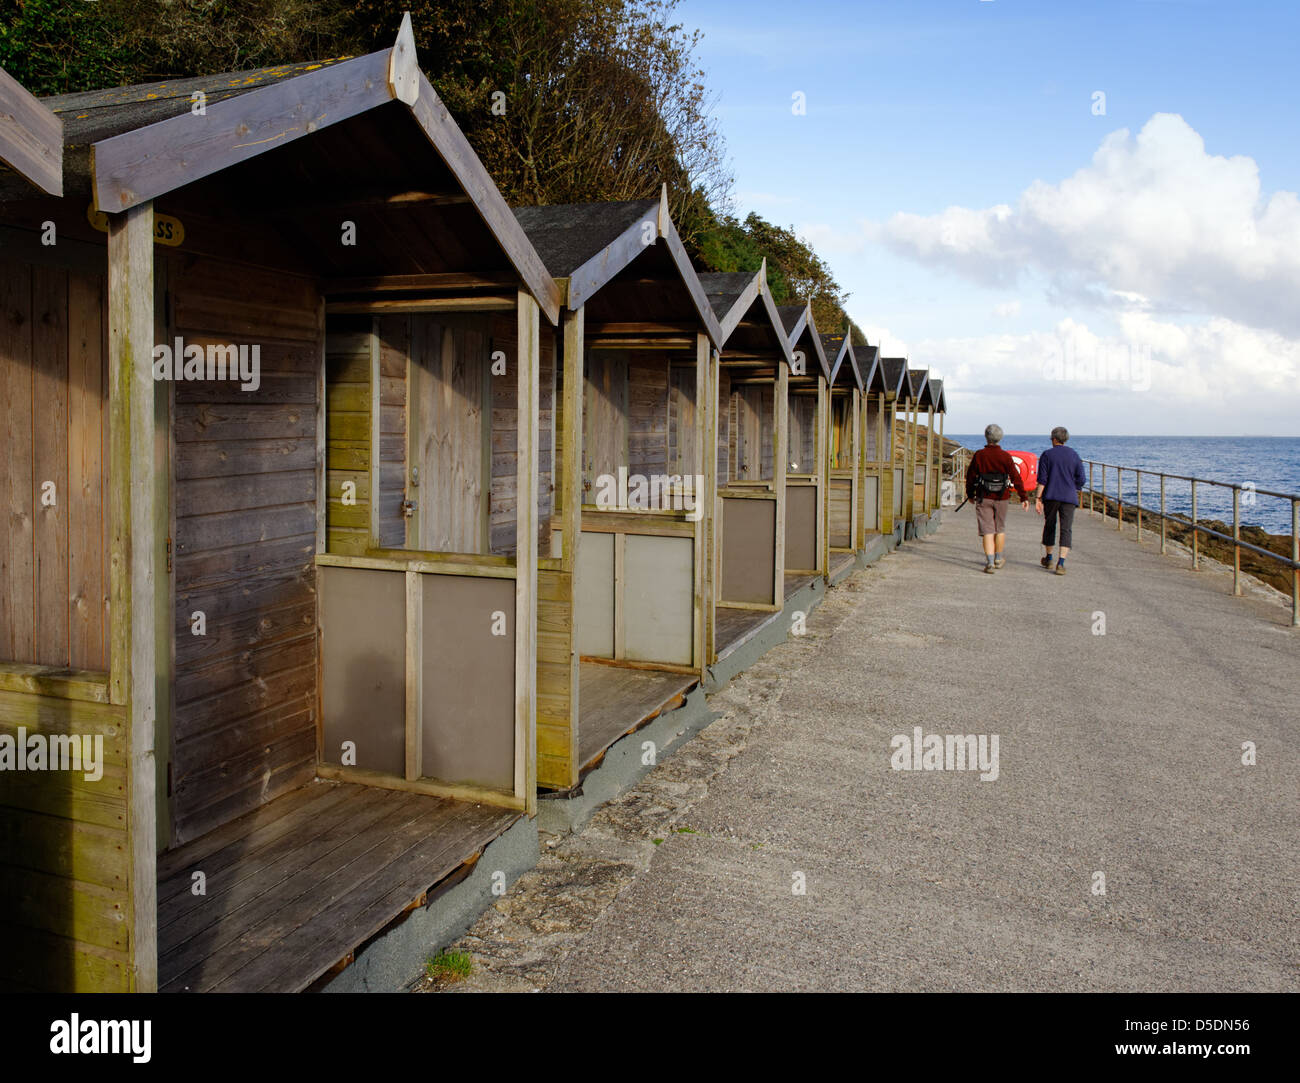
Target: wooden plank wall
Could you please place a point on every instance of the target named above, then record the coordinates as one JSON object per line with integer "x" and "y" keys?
{"x": 65, "y": 876}
{"x": 726, "y": 429}
{"x": 393, "y": 335}
{"x": 647, "y": 403}
{"x": 53, "y": 429}
{"x": 803, "y": 433}
{"x": 604, "y": 418}
{"x": 505, "y": 430}
{"x": 752, "y": 422}
{"x": 244, "y": 729}
{"x": 683, "y": 456}
{"x": 347, "y": 433}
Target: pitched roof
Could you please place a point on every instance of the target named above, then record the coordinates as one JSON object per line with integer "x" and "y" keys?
{"x": 895, "y": 372}
{"x": 801, "y": 329}
{"x": 130, "y": 145}
{"x": 746, "y": 312}
{"x": 31, "y": 140}
{"x": 588, "y": 245}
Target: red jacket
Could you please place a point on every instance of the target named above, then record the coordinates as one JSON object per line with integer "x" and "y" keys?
{"x": 993, "y": 460}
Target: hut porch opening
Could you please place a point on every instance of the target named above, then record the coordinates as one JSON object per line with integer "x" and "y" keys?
{"x": 295, "y": 887}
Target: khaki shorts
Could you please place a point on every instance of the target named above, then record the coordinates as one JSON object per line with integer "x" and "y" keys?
{"x": 991, "y": 515}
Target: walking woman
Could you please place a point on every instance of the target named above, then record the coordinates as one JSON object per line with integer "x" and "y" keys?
{"x": 1060, "y": 477}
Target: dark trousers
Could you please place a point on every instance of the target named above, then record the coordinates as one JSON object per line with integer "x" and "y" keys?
{"x": 1052, "y": 509}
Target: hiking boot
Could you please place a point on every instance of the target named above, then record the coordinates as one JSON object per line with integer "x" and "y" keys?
{"x": 990, "y": 568}
{"x": 999, "y": 561}
{"x": 1046, "y": 562}
{"x": 1060, "y": 569}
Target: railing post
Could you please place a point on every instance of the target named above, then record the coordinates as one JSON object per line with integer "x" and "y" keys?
{"x": 1103, "y": 493}
{"x": 1119, "y": 498}
{"x": 1091, "y": 485}
{"x": 1139, "y": 507}
{"x": 1162, "y": 514}
{"x": 1236, "y": 540}
{"x": 1295, "y": 559}
{"x": 1196, "y": 534}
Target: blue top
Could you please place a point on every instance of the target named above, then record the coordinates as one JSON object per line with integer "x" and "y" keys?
{"x": 1061, "y": 474}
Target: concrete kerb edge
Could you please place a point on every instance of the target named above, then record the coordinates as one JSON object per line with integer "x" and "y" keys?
{"x": 395, "y": 959}
{"x": 622, "y": 766}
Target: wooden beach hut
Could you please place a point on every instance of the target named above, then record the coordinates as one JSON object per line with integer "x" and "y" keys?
{"x": 623, "y": 585}
{"x": 932, "y": 403}
{"x": 844, "y": 469}
{"x": 807, "y": 441}
{"x": 917, "y": 399}
{"x": 874, "y": 443}
{"x": 274, "y": 501}
{"x": 752, "y": 439}
{"x": 896, "y": 390}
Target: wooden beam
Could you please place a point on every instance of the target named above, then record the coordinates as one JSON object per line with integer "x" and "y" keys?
{"x": 482, "y": 303}
{"x": 527, "y": 370}
{"x": 31, "y": 137}
{"x": 131, "y": 559}
{"x": 412, "y": 283}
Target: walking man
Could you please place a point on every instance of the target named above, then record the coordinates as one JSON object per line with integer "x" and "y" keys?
{"x": 1060, "y": 477}
{"x": 989, "y": 479}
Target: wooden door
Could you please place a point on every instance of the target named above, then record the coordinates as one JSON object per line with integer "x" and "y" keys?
{"x": 449, "y": 428}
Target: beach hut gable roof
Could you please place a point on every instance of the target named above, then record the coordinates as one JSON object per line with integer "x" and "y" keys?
{"x": 895, "y": 373}
{"x": 743, "y": 298}
{"x": 841, "y": 348}
{"x": 586, "y": 245}
{"x": 801, "y": 328}
{"x": 31, "y": 138}
{"x": 134, "y": 144}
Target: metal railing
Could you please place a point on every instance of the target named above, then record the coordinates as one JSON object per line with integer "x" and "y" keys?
{"x": 1197, "y": 529}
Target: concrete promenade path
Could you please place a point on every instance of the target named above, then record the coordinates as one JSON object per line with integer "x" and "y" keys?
{"x": 1119, "y": 754}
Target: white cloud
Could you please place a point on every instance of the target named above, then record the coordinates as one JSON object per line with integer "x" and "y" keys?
{"x": 1007, "y": 309}
{"x": 1153, "y": 376}
{"x": 1154, "y": 222}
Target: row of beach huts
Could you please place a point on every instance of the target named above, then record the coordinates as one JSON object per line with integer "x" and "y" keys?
{"x": 347, "y": 511}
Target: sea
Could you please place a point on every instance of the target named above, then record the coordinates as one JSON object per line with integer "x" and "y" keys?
{"x": 1254, "y": 462}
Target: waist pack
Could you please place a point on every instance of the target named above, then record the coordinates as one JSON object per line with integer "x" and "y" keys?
{"x": 992, "y": 484}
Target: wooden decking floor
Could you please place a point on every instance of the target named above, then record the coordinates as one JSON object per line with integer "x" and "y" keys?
{"x": 734, "y": 626}
{"x": 614, "y": 701}
{"x": 295, "y": 886}
{"x": 839, "y": 561}
{"x": 795, "y": 583}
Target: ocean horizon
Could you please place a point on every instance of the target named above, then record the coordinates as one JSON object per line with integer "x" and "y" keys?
{"x": 1264, "y": 462}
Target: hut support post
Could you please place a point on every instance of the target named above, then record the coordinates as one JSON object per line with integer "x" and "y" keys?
{"x": 858, "y": 537}
{"x": 526, "y": 374}
{"x": 823, "y": 473}
{"x": 780, "y": 461}
{"x": 706, "y": 410}
{"x": 131, "y": 559}
{"x": 930, "y": 485}
{"x": 573, "y": 347}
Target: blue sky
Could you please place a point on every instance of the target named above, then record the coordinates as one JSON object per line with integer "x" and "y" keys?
{"x": 1119, "y": 295}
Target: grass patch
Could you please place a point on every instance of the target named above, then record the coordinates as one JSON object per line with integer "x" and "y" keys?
{"x": 686, "y": 831}
{"x": 657, "y": 842}
{"x": 450, "y": 966}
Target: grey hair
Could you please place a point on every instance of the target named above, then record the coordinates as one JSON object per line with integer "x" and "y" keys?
{"x": 993, "y": 434}
{"x": 1060, "y": 434}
